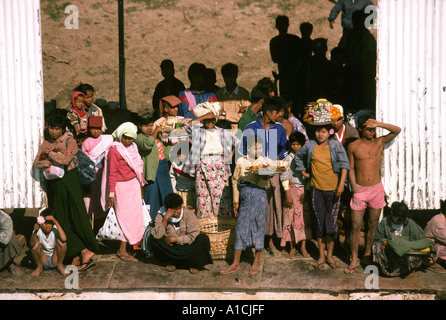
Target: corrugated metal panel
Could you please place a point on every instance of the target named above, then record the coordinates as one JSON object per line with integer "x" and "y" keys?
{"x": 412, "y": 95}
{"x": 21, "y": 102}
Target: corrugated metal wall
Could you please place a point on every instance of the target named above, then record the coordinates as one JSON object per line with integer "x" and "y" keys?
{"x": 412, "y": 95}
{"x": 21, "y": 102}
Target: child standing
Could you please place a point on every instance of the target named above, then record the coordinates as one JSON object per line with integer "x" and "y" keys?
{"x": 94, "y": 147}
{"x": 48, "y": 243}
{"x": 250, "y": 207}
{"x": 155, "y": 155}
{"x": 296, "y": 223}
{"x": 325, "y": 163}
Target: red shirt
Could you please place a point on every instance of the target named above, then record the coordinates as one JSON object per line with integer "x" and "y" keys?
{"x": 119, "y": 170}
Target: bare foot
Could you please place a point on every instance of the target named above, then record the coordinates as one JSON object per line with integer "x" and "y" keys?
{"x": 86, "y": 256}
{"x": 290, "y": 255}
{"x": 304, "y": 253}
{"x": 232, "y": 268}
{"x": 61, "y": 270}
{"x": 36, "y": 273}
{"x": 76, "y": 261}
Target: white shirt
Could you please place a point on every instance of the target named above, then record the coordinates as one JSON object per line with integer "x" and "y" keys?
{"x": 48, "y": 243}
{"x": 213, "y": 144}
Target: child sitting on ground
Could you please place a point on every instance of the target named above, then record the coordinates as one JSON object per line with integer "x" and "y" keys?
{"x": 48, "y": 243}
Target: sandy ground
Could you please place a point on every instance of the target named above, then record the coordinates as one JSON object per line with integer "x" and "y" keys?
{"x": 185, "y": 31}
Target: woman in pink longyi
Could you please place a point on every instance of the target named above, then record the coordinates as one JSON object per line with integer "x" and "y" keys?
{"x": 124, "y": 178}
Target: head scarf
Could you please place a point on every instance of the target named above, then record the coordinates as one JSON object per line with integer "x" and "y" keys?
{"x": 203, "y": 108}
{"x": 128, "y": 129}
{"x": 81, "y": 112}
{"x": 74, "y": 95}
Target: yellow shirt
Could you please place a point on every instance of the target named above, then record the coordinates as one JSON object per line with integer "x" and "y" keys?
{"x": 322, "y": 175}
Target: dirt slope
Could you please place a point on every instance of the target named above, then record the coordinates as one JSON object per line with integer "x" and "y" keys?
{"x": 185, "y": 31}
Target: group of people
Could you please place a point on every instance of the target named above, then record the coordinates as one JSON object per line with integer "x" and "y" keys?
{"x": 331, "y": 178}
{"x": 329, "y": 166}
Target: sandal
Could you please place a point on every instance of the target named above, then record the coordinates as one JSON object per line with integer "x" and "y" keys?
{"x": 333, "y": 265}
{"x": 349, "y": 270}
{"x": 87, "y": 265}
{"x": 193, "y": 270}
{"x": 437, "y": 269}
{"x": 254, "y": 271}
{"x": 170, "y": 268}
{"x": 318, "y": 266}
{"x": 15, "y": 270}
{"x": 124, "y": 257}
{"x": 274, "y": 253}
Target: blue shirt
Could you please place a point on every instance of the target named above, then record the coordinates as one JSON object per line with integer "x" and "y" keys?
{"x": 348, "y": 7}
{"x": 275, "y": 140}
{"x": 200, "y": 97}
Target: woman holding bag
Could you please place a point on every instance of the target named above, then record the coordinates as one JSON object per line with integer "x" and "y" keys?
{"x": 65, "y": 195}
{"x": 124, "y": 179}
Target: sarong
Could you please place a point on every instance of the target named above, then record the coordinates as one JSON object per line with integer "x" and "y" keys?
{"x": 10, "y": 251}
{"x": 390, "y": 263}
{"x": 296, "y": 219}
{"x": 195, "y": 255}
{"x": 156, "y": 191}
{"x": 326, "y": 208}
{"x": 212, "y": 188}
{"x": 252, "y": 213}
{"x": 65, "y": 197}
{"x": 274, "y": 220}
{"x": 129, "y": 211}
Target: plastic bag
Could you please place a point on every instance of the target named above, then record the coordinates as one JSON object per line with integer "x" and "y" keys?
{"x": 110, "y": 230}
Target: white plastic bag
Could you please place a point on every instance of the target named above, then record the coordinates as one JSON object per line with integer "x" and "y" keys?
{"x": 55, "y": 171}
{"x": 146, "y": 214}
{"x": 110, "y": 230}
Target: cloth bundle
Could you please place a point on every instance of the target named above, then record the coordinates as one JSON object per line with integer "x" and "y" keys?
{"x": 203, "y": 108}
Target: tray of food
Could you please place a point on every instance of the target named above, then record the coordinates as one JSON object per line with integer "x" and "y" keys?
{"x": 267, "y": 167}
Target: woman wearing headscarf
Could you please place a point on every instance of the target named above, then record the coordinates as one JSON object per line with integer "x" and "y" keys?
{"x": 209, "y": 161}
{"x": 124, "y": 179}
{"x": 65, "y": 195}
{"x": 176, "y": 238}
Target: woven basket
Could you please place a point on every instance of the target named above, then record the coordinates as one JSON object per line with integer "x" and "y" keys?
{"x": 221, "y": 233}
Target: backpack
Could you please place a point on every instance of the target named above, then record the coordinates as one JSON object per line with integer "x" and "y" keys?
{"x": 86, "y": 169}
{"x": 146, "y": 247}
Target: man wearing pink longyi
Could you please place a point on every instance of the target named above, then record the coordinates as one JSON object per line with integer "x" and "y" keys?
{"x": 364, "y": 155}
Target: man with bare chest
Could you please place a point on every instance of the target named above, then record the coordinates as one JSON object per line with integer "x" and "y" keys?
{"x": 364, "y": 155}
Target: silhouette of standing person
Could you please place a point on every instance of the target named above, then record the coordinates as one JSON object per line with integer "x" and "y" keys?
{"x": 361, "y": 48}
{"x": 170, "y": 86}
{"x": 285, "y": 51}
{"x": 347, "y": 7}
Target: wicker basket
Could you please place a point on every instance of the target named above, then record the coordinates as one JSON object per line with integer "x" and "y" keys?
{"x": 221, "y": 233}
